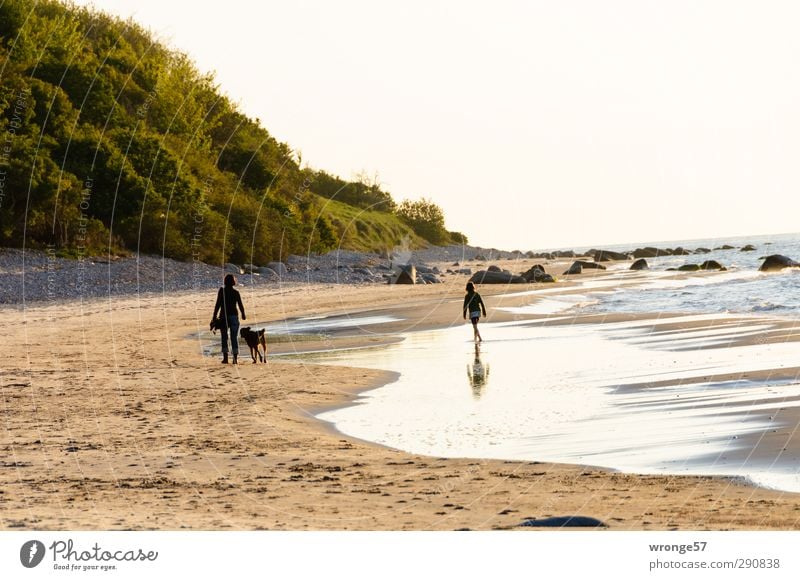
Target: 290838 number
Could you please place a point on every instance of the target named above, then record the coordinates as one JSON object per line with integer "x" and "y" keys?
{"x": 758, "y": 563}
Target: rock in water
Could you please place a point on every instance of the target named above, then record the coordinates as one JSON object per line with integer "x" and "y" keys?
{"x": 777, "y": 262}
{"x": 749, "y": 248}
{"x": 640, "y": 264}
{"x": 689, "y": 268}
{"x": 406, "y": 275}
{"x": 712, "y": 265}
{"x": 487, "y": 277}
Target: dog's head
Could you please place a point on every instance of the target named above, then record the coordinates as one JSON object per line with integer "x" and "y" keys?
{"x": 244, "y": 331}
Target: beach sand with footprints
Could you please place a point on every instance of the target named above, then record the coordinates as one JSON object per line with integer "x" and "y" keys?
{"x": 116, "y": 414}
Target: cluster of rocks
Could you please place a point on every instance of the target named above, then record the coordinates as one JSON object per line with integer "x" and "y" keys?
{"x": 411, "y": 274}
{"x": 40, "y": 276}
{"x": 496, "y": 275}
{"x": 652, "y": 252}
{"x": 33, "y": 275}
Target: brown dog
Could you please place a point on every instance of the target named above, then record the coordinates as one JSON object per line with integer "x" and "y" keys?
{"x": 254, "y": 338}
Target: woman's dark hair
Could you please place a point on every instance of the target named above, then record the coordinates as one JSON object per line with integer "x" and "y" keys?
{"x": 470, "y": 287}
{"x": 230, "y": 280}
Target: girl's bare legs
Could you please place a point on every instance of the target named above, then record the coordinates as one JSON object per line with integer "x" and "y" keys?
{"x": 476, "y": 333}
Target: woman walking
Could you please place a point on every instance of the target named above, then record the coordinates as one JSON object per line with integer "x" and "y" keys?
{"x": 473, "y": 303}
{"x": 228, "y": 299}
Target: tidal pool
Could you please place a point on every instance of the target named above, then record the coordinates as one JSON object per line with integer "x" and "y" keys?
{"x": 615, "y": 395}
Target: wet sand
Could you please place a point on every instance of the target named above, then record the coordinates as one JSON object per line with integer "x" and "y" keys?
{"x": 112, "y": 418}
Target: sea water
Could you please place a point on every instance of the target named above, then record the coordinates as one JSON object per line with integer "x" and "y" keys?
{"x": 616, "y": 395}
{"x": 742, "y": 289}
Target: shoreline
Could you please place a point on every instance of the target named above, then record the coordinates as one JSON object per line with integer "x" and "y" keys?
{"x": 197, "y": 445}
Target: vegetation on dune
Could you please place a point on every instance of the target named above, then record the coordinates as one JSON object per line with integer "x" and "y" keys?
{"x": 110, "y": 141}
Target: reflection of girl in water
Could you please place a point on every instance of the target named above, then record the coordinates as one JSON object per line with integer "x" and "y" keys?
{"x": 473, "y": 303}
{"x": 477, "y": 373}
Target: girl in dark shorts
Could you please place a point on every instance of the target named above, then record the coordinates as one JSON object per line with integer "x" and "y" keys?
{"x": 473, "y": 303}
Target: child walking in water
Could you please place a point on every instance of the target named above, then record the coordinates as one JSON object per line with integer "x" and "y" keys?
{"x": 473, "y": 303}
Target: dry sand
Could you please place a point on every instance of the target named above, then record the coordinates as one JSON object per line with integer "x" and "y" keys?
{"x": 112, "y": 418}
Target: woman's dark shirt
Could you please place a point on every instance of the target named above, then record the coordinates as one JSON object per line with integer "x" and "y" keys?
{"x": 227, "y": 299}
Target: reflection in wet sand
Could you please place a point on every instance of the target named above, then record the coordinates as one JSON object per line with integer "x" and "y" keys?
{"x": 477, "y": 373}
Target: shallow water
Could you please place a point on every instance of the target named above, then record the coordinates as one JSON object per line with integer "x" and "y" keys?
{"x": 322, "y": 324}
{"x": 580, "y": 394}
{"x": 742, "y": 289}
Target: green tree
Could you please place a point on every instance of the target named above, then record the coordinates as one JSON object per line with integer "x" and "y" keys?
{"x": 425, "y": 218}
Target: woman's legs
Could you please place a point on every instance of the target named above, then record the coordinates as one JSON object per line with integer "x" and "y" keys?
{"x": 223, "y": 334}
{"x": 233, "y": 324}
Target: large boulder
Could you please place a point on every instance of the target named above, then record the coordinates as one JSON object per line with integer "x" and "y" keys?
{"x": 640, "y": 264}
{"x": 590, "y": 265}
{"x": 406, "y": 274}
{"x": 648, "y": 252}
{"x": 689, "y": 268}
{"x": 494, "y": 269}
{"x": 607, "y": 255}
{"x": 487, "y": 277}
{"x": 232, "y": 269}
{"x": 579, "y": 265}
{"x": 265, "y": 272}
{"x": 537, "y": 274}
{"x": 680, "y": 252}
{"x": 749, "y": 248}
{"x": 777, "y": 262}
{"x": 279, "y": 268}
{"x": 712, "y": 265}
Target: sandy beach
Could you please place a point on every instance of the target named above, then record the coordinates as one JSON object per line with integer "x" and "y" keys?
{"x": 117, "y": 415}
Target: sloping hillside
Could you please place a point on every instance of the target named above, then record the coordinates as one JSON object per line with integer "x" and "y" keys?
{"x": 110, "y": 141}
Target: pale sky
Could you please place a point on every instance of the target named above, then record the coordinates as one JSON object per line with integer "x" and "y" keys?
{"x": 532, "y": 124}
